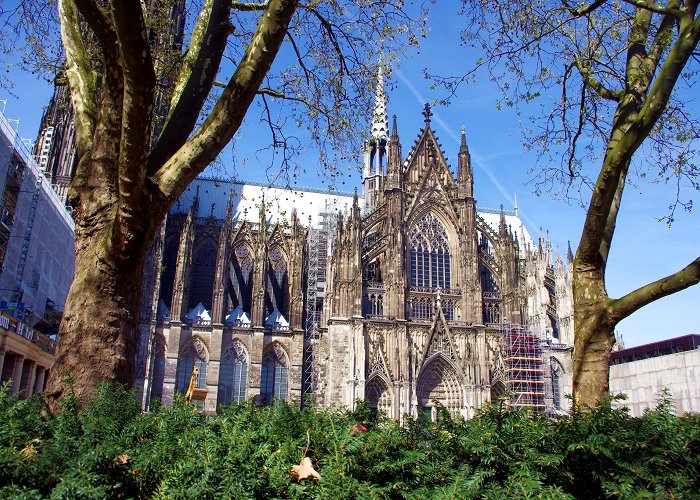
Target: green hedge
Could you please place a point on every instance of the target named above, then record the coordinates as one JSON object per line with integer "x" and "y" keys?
{"x": 112, "y": 450}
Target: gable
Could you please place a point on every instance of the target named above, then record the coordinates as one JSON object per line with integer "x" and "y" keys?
{"x": 427, "y": 157}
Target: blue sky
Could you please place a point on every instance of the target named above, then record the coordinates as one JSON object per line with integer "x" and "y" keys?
{"x": 644, "y": 249}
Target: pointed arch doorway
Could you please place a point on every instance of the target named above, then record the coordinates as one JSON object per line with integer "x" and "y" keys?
{"x": 439, "y": 384}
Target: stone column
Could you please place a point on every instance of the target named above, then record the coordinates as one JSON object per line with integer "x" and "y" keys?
{"x": 31, "y": 381}
{"x": 39, "y": 382}
{"x": 17, "y": 374}
{"x": 26, "y": 380}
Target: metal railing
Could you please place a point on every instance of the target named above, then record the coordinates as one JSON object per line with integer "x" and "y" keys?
{"x": 37, "y": 338}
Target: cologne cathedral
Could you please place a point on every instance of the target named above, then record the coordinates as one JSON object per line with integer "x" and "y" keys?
{"x": 407, "y": 295}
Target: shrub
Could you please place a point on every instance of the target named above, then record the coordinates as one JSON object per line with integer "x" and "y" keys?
{"x": 111, "y": 450}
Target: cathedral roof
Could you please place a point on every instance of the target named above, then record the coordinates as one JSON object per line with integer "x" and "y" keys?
{"x": 280, "y": 202}
{"x": 493, "y": 217}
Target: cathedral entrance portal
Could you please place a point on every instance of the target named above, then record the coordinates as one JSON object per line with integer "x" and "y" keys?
{"x": 378, "y": 395}
{"x": 438, "y": 382}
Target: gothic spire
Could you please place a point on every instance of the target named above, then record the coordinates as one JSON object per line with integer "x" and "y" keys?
{"x": 380, "y": 125}
{"x": 194, "y": 209}
{"x": 502, "y": 222}
{"x": 465, "y": 175}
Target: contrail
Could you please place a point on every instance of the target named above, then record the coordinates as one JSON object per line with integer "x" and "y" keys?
{"x": 475, "y": 157}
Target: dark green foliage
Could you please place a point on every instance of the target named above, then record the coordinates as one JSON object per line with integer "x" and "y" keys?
{"x": 112, "y": 450}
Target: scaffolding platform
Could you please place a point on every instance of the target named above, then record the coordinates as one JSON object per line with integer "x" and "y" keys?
{"x": 524, "y": 367}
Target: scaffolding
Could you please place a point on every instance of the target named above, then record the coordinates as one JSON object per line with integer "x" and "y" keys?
{"x": 318, "y": 247}
{"x": 524, "y": 367}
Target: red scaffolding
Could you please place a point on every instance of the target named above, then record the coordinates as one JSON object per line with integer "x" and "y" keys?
{"x": 524, "y": 367}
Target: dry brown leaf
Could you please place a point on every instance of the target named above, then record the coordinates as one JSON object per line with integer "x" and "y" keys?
{"x": 304, "y": 470}
{"x": 28, "y": 451}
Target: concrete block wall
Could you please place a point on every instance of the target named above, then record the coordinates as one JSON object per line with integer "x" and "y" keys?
{"x": 643, "y": 382}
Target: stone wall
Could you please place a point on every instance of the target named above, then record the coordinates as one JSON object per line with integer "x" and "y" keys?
{"x": 643, "y": 382}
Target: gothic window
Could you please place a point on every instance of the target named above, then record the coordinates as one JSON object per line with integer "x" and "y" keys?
{"x": 556, "y": 370}
{"x": 422, "y": 307}
{"x": 276, "y": 296}
{"x": 240, "y": 279}
{"x": 158, "y": 371}
{"x": 273, "y": 383}
{"x": 233, "y": 375}
{"x": 202, "y": 274}
{"x": 430, "y": 254}
{"x": 373, "y": 304}
{"x": 167, "y": 276}
{"x": 492, "y": 312}
{"x": 372, "y": 273}
{"x": 193, "y": 355}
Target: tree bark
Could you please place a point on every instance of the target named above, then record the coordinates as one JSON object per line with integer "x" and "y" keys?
{"x": 100, "y": 319}
{"x": 594, "y": 337}
{"x": 118, "y": 201}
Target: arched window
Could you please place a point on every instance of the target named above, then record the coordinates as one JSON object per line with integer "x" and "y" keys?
{"x": 240, "y": 279}
{"x": 193, "y": 355}
{"x": 233, "y": 375}
{"x": 430, "y": 254}
{"x": 167, "y": 275}
{"x": 556, "y": 370}
{"x": 273, "y": 383}
{"x": 157, "y": 370}
{"x": 202, "y": 274}
{"x": 276, "y": 296}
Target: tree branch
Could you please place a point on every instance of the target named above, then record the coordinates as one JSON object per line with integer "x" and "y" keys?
{"x": 81, "y": 76}
{"x": 632, "y": 124}
{"x": 139, "y": 85}
{"x": 583, "y": 9}
{"x": 328, "y": 27}
{"x": 174, "y": 176}
{"x": 596, "y": 85}
{"x": 247, "y": 6}
{"x": 194, "y": 82}
{"x": 680, "y": 280}
{"x": 650, "y": 6}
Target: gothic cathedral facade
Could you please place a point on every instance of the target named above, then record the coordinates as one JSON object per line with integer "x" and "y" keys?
{"x": 408, "y": 296}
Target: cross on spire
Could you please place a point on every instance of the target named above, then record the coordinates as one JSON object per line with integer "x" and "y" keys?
{"x": 427, "y": 113}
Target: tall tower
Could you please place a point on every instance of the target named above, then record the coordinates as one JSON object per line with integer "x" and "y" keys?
{"x": 375, "y": 149}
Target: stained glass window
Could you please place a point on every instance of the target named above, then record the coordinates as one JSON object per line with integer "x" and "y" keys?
{"x": 273, "y": 383}
{"x": 190, "y": 357}
{"x": 233, "y": 375}
{"x": 277, "y": 295}
{"x": 430, "y": 254}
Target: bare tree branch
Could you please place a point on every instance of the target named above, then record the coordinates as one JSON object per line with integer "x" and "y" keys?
{"x": 81, "y": 76}
{"x": 139, "y": 85}
{"x": 633, "y": 301}
{"x": 658, "y": 9}
{"x": 194, "y": 81}
{"x": 228, "y": 113}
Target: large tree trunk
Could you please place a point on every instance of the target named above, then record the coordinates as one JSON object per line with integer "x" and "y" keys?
{"x": 101, "y": 312}
{"x": 594, "y": 337}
